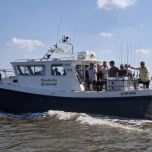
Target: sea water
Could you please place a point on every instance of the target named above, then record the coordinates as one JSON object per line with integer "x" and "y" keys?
{"x": 59, "y": 131}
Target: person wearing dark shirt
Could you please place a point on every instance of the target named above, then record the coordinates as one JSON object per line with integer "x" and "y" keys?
{"x": 113, "y": 70}
{"x": 122, "y": 71}
{"x": 57, "y": 72}
{"x": 99, "y": 78}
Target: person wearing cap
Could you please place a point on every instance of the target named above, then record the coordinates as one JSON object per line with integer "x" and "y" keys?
{"x": 122, "y": 71}
{"x": 143, "y": 76}
{"x": 113, "y": 70}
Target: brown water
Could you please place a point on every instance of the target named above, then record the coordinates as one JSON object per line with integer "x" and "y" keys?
{"x": 56, "y": 131}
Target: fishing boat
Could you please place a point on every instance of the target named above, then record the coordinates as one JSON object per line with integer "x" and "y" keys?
{"x": 39, "y": 85}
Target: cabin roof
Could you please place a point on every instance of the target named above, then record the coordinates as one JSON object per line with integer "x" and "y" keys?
{"x": 53, "y": 61}
{"x": 28, "y": 62}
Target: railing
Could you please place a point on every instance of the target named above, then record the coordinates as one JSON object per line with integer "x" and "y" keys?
{"x": 115, "y": 85}
{"x": 44, "y": 59}
{"x": 27, "y": 60}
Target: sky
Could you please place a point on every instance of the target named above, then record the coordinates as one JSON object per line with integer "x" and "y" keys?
{"x": 118, "y": 30}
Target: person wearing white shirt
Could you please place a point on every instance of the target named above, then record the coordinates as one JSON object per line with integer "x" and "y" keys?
{"x": 92, "y": 74}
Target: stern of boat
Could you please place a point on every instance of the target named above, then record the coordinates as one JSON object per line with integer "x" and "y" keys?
{"x": 148, "y": 114}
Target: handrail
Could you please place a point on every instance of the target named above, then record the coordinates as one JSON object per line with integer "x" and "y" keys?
{"x": 27, "y": 60}
{"x": 115, "y": 85}
{"x": 38, "y": 60}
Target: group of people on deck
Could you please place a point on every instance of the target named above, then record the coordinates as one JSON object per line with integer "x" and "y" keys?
{"x": 97, "y": 76}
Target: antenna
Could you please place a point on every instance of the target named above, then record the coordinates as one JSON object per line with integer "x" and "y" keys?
{"x": 60, "y": 20}
{"x": 116, "y": 54}
{"x": 138, "y": 57}
{"x": 135, "y": 49}
{"x": 121, "y": 50}
{"x": 127, "y": 53}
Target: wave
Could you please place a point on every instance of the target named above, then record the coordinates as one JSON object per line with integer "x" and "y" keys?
{"x": 84, "y": 119}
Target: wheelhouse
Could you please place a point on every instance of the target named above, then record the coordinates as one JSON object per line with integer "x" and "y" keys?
{"x": 52, "y": 75}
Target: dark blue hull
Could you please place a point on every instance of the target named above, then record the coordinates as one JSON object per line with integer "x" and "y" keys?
{"x": 19, "y": 102}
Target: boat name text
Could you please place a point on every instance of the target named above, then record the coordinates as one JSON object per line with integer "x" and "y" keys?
{"x": 52, "y": 82}
{"x": 128, "y": 93}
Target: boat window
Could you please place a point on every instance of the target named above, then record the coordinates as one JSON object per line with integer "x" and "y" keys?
{"x": 58, "y": 70}
{"x": 30, "y": 69}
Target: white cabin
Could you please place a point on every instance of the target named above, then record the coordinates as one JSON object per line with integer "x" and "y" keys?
{"x": 54, "y": 75}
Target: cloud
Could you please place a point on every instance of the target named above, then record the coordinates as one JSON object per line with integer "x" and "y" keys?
{"x": 141, "y": 26}
{"x": 115, "y": 4}
{"x": 144, "y": 51}
{"x": 129, "y": 28}
{"x": 26, "y": 44}
{"x": 106, "y": 34}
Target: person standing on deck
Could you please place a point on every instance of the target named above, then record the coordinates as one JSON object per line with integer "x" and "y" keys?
{"x": 129, "y": 72}
{"x": 92, "y": 73}
{"x": 105, "y": 70}
{"x": 143, "y": 75}
{"x": 99, "y": 78}
{"x": 113, "y": 70}
{"x": 122, "y": 72}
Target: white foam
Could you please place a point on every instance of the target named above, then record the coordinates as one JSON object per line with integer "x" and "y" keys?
{"x": 92, "y": 121}
{"x": 85, "y": 119}
{"x": 61, "y": 115}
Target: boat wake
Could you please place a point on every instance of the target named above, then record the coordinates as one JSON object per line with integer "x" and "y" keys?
{"x": 84, "y": 119}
